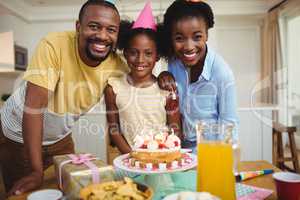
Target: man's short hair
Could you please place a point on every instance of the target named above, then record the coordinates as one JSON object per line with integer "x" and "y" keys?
{"x": 96, "y": 2}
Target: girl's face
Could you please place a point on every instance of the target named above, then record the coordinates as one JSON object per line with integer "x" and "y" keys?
{"x": 189, "y": 36}
{"x": 141, "y": 56}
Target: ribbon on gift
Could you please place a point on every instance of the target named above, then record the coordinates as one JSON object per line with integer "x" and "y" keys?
{"x": 79, "y": 160}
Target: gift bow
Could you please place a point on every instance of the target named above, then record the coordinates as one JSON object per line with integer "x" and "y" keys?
{"x": 79, "y": 160}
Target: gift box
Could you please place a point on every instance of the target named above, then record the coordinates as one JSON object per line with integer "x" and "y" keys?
{"x": 75, "y": 171}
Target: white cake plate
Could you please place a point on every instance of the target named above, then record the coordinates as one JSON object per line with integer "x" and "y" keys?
{"x": 155, "y": 178}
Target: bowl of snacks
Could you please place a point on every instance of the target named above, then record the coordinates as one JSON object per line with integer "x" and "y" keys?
{"x": 123, "y": 189}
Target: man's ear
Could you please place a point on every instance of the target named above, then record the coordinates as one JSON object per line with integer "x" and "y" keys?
{"x": 77, "y": 26}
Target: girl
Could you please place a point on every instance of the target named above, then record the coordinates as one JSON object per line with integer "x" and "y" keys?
{"x": 134, "y": 102}
{"x": 205, "y": 82}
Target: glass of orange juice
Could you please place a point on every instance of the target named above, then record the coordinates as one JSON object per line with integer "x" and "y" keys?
{"x": 215, "y": 159}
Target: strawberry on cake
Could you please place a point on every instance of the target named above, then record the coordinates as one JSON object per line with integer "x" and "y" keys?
{"x": 159, "y": 150}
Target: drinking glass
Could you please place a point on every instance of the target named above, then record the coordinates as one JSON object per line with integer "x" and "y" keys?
{"x": 215, "y": 170}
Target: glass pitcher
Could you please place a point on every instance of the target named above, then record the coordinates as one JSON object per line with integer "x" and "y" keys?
{"x": 215, "y": 172}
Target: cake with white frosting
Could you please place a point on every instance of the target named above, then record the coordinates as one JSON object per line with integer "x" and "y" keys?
{"x": 161, "y": 150}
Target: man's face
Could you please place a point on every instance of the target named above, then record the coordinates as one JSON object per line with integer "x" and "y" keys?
{"x": 97, "y": 33}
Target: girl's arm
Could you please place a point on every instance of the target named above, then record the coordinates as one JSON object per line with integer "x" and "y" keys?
{"x": 112, "y": 115}
{"x": 173, "y": 115}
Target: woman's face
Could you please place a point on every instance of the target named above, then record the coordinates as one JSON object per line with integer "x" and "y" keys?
{"x": 189, "y": 36}
{"x": 141, "y": 56}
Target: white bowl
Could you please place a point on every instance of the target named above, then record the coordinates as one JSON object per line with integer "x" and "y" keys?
{"x": 48, "y": 194}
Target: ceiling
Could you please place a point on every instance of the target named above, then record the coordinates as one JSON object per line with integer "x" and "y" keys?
{"x": 37, "y": 3}
{"x": 3, "y": 10}
{"x": 53, "y": 10}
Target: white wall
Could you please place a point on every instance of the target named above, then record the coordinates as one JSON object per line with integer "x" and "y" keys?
{"x": 19, "y": 27}
{"x": 237, "y": 39}
{"x": 28, "y": 34}
{"x": 293, "y": 59}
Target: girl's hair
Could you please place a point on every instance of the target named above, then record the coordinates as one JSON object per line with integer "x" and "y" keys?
{"x": 126, "y": 34}
{"x": 178, "y": 10}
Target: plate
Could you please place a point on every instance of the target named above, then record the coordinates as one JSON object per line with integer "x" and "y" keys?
{"x": 122, "y": 163}
{"x": 183, "y": 150}
{"x": 47, "y": 194}
{"x": 175, "y": 196}
{"x": 171, "y": 197}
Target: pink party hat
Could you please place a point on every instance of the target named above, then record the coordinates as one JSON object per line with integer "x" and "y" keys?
{"x": 145, "y": 19}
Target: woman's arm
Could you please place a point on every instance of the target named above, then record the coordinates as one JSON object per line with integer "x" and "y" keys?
{"x": 173, "y": 115}
{"x": 112, "y": 115}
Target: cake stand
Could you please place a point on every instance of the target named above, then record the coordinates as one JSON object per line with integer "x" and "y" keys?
{"x": 156, "y": 178}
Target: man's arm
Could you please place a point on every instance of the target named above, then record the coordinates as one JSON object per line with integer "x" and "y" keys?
{"x": 36, "y": 100}
{"x": 113, "y": 122}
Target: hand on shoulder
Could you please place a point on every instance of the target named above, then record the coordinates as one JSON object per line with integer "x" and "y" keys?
{"x": 166, "y": 81}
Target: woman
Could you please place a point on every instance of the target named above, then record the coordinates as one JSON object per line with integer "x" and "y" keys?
{"x": 205, "y": 82}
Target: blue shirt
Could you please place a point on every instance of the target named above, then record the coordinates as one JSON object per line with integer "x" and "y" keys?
{"x": 211, "y": 98}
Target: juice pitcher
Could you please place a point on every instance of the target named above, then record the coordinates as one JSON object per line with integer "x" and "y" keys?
{"x": 215, "y": 169}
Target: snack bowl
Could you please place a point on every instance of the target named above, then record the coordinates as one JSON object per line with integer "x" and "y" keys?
{"x": 146, "y": 189}
{"x": 117, "y": 189}
{"x": 287, "y": 185}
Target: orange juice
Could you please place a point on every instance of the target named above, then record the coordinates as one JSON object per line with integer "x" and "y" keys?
{"x": 215, "y": 170}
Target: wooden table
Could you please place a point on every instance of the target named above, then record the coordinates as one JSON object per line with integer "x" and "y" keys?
{"x": 265, "y": 181}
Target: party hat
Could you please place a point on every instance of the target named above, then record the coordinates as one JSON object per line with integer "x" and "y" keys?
{"x": 111, "y": 1}
{"x": 145, "y": 19}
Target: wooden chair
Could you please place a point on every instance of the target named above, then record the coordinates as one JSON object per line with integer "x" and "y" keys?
{"x": 278, "y": 149}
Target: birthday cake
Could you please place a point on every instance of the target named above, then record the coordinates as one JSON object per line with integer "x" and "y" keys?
{"x": 161, "y": 150}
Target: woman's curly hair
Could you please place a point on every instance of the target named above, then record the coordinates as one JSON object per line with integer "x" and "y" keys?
{"x": 126, "y": 34}
{"x": 180, "y": 9}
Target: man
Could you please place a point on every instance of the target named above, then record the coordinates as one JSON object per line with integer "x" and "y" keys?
{"x": 66, "y": 77}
